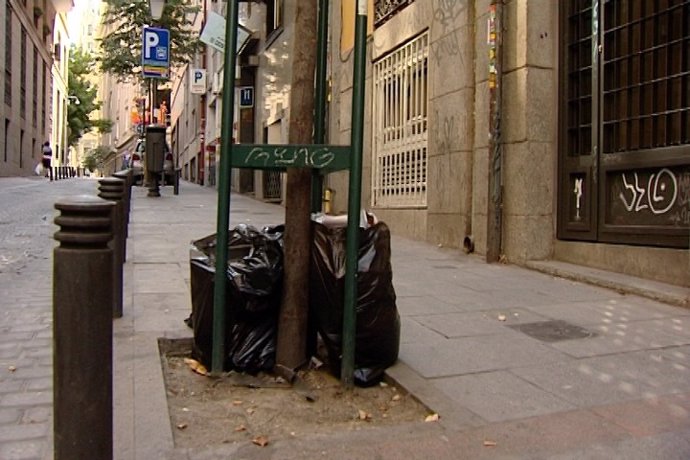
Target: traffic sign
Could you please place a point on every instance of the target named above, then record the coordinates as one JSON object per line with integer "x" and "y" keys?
{"x": 155, "y": 52}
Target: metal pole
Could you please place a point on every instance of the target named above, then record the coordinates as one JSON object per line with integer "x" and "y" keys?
{"x": 227, "y": 120}
{"x": 495, "y": 211}
{"x": 320, "y": 100}
{"x": 83, "y": 330}
{"x": 355, "y": 197}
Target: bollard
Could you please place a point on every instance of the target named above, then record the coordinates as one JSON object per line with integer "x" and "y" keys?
{"x": 82, "y": 330}
{"x": 126, "y": 175}
{"x": 176, "y": 182}
{"x": 112, "y": 189}
{"x": 50, "y": 172}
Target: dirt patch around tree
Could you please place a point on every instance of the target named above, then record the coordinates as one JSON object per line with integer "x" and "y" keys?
{"x": 239, "y": 408}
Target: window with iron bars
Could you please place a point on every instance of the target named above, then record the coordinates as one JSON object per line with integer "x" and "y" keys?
{"x": 8, "y": 53}
{"x": 22, "y": 83}
{"x": 386, "y": 9}
{"x": 34, "y": 113}
{"x": 399, "y": 156}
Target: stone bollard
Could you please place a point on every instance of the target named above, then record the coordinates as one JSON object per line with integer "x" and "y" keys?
{"x": 126, "y": 175}
{"x": 112, "y": 189}
{"x": 50, "y": 173}
{"x": 83, "y": 330}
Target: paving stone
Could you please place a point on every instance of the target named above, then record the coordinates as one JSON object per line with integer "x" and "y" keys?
{"x": 500, "y": 396}
{"x": 24, "y": 450}
{"x": 8, "y": 416}
{"x": 26, "y": 399}
{"x": 23, "y": 431}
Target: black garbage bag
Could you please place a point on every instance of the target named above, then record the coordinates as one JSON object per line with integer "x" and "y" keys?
{"x": 255, "y": 276}
{"x": 377, "y": 339}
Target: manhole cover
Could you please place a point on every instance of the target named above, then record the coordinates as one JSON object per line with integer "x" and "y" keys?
{"x": 553, "y": 331}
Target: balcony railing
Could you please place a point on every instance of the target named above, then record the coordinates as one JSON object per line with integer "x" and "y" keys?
{"x": 385, "y": 9}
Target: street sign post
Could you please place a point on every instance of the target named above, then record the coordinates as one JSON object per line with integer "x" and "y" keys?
{"x": 155, "y": 53}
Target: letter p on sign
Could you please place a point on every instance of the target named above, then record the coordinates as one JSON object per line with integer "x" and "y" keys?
{"x": 151, "y": 40}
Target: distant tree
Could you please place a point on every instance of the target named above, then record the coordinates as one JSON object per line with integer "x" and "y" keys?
{"x": 126, "y": 19}
{"x": 95, "y": 158}
{"x": 82, "y": 97}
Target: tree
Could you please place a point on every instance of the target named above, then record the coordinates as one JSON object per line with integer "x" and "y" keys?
{"x": 121, "y": 47}
{"x": 292, "y": 326}
{"x": 82, "y": 98}
{"x": 95, "y": 158}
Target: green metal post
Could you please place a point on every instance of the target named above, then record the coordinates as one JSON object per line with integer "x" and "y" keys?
{"x": 355, "y": 198}
{"x": 228, "y": 112}
{"x": 320, "y": 102}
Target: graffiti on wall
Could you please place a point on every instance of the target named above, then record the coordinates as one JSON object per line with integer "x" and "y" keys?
{"x": 445, "y": 14}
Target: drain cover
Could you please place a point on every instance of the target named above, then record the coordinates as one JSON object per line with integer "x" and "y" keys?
{"x": 553, "y": 331}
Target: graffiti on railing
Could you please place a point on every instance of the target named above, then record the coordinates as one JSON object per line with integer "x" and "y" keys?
{"x": 286, "y": 156}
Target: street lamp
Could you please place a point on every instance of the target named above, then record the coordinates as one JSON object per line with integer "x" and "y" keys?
{"x": 156, "y": 8}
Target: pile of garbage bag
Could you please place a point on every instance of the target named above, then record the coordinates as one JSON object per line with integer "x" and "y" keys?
{"x": 255, "y": 280}
{"x": 254, "y": 288}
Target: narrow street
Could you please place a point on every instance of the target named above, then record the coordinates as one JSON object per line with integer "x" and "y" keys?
{"x": 26, "y": 254}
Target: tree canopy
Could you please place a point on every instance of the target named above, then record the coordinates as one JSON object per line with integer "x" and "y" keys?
{"x": 124, "y": 21}
{"x": 95, "y": 158}
{"x": 82, "y": 97}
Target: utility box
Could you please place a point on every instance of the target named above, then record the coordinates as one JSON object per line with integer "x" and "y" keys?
{"x": 155, "y": 148}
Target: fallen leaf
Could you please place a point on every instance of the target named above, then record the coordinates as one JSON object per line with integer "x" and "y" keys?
{"x": 237, "y": 402}
{"x": 501, "y": 317}
{"x": 185, "y": 409}
{"x": 261, "y": 441}
{"x": 196, "y": 366}
{"x": 11, "y": 368}
{"x": 363, "y": 415}
{"x": 432, "y": 418}
{"x": 250, "y": 411}
{"x": 489, "y": 443}
{"x": 240, "y": 428}
{"x": 383, "y": 384}
{"x": 181, "y": 426}
{"x": 396, "y": 398}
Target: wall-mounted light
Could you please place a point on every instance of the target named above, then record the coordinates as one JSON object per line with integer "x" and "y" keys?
{"x": 73, "y": 100}
{"x": 156, "y": 7}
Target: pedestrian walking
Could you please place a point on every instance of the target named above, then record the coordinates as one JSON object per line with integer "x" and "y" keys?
{"x": 47, "y": 158}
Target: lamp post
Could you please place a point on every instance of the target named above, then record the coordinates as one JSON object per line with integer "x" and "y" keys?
{"x": 156, "y": 7}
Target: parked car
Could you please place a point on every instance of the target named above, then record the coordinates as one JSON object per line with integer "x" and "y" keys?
{"x": 138, "y": 163}
{"x": 168, "y": 167}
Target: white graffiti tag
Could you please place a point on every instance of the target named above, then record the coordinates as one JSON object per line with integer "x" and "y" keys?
{"x": 659, "y": 196}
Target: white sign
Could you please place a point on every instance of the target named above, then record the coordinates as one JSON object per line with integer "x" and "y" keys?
{"x": 198, "y": 81}
{"x": 214, "y": 32}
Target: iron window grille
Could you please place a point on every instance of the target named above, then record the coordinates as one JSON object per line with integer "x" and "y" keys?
{"x": 399, "y": 177}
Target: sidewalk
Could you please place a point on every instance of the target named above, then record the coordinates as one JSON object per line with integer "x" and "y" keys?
{"x": 542, "y": 366}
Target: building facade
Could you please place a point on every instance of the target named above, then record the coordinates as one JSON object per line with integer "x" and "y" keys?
{"x": 574, "y": 114}
{"x": 28, "y": 56}
{"x": 61, "y": 97}
{"x": 86, "y": 38}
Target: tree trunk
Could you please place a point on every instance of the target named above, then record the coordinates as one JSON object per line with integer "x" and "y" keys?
{"x": 292, "y": 326}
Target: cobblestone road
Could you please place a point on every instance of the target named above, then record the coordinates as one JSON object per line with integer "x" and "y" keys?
{"x": 26, "y": 259}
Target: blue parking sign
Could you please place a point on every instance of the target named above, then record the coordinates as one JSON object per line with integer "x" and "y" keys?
{"x": 155, "y": 52}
